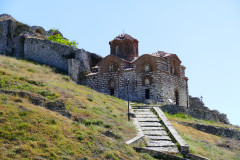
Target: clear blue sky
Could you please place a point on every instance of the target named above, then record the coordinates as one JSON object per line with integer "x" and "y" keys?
{"x": 205, "y": 34}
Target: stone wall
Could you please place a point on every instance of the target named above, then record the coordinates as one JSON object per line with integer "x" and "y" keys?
{"x": 162, "y": 85}
{"x": 48, "y": 52}
{"x": 197, "y": 110}
{"x": 20, "y": 40}
{"x": 6, "y": 36}
{"x": 82, "y": 64}
{"x": 215, "y": 130}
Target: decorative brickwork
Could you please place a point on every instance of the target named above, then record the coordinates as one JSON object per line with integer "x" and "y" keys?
{"x": 159, "y": 77}
{"x": 124, "y": 46}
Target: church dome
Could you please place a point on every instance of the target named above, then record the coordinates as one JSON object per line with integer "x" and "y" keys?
{"x": 124, "y": 36}
{"x": 124, "y": 46}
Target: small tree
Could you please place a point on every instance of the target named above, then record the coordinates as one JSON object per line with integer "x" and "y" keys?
{"x": 59, "y": 39}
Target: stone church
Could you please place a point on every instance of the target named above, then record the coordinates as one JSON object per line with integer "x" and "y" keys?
{"x": 156, "y": 77}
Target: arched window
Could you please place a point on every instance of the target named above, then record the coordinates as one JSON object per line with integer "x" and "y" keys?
{"x": 110, "y": 68}
{"x": 174, "y": 70}
{"x": 147, "y": 82}
{"x": 112, "y": 84}
{"x": 176, "y": 94}
{"x": 146, "y": 68}
{"x": 117, "y": 50}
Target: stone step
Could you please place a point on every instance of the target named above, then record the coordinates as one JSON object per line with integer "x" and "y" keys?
{"x": 157, "y": 133}
{"x": 158, "y": 137}
{"x": 150, "y": 124}
{"x": 160, "y": 144}
{"x": 142, "y": 110}
{"x": 141, "y": 107}
{"x": 148, "y": 119}
{"x": 164, "y": 149}
{"x": 145, "y": 113}
{"x": 146, "y": 116}
{"x": 151, "y": 128}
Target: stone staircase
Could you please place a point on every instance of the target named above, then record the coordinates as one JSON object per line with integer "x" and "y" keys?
{"x": 154, "y": 131}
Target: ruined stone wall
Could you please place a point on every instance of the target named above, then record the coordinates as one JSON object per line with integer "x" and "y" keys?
{"x": 49, "y": 53}
{"x": 197, "y": 111}
{"x": 82, "y": 64}
{"x": 20, "y": 40}
{"x": 6, "y": 37}
{"x": 215, "y": 130}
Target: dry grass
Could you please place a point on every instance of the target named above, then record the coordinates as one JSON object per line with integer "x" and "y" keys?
{"x": 28, "y": 131}
{"x": 185, "y": 118}
{"x": 207, "y": 145}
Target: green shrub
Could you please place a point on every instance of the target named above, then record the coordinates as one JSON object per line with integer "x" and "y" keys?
{"x": 59, "y": 39}
{"x": 31, "y": 70}
{"x": 181, "y": 115}
{"x": 120, "y": 128}
{"x": 147, "y": 156}
{"x": 108, "y": 126}
{"x": 35, "y": 82}
{"x": 48, "y": 94}
{"x": 80, "y": 136}
{"x": 8, "y": 135}
{"x": 21, "y": 78}
{"x": 23, "y": 113}
{"x": 52, "y": 121}
{"x": 111, "y": 155}
{"x": 90, "y": 99}
{"x": 89, "y": 122}
{"x": 18, "y": 100}
{"x": 2, "y": 72}
{"x": 22, "y": 126}
{"x": 66, "y": 78}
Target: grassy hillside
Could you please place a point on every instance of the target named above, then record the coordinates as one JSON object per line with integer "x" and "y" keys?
{"x": 204, "y": 144}
{"x": 33, "y": 132}
{"x": 28, "y": 131}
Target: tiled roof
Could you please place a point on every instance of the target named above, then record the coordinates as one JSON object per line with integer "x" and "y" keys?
{"x": 91, "y": 74}
{"x": 124, "y": 36}
{"x": 162, "y": 54}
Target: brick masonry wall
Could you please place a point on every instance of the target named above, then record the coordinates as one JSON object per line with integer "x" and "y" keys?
{"x": 162, "y": 85}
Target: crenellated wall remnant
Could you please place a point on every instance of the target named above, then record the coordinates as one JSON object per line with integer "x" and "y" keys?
{"x": 198, "y": 110}
{"x": 29, "y": 42}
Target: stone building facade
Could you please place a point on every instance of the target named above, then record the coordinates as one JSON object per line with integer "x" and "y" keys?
{"x": 157, "y": 77}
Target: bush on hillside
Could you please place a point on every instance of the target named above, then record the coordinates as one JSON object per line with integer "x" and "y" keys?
{"x": 59, "y": 39}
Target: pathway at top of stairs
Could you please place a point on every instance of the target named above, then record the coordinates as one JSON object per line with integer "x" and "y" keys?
{"x": 153, "y": 130}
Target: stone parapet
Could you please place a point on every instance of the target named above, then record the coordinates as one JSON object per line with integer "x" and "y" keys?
{"x": 182, "y": 144}
{"x": 139, "y": 138}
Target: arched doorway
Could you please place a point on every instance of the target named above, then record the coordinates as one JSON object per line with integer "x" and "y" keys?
{"x": 111, "y": 86}
{"x": 22, "y": 41}
{"x": 176, "y": 93}
{"x": 112, "y": 92}
{"x": 147, "y": 93}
